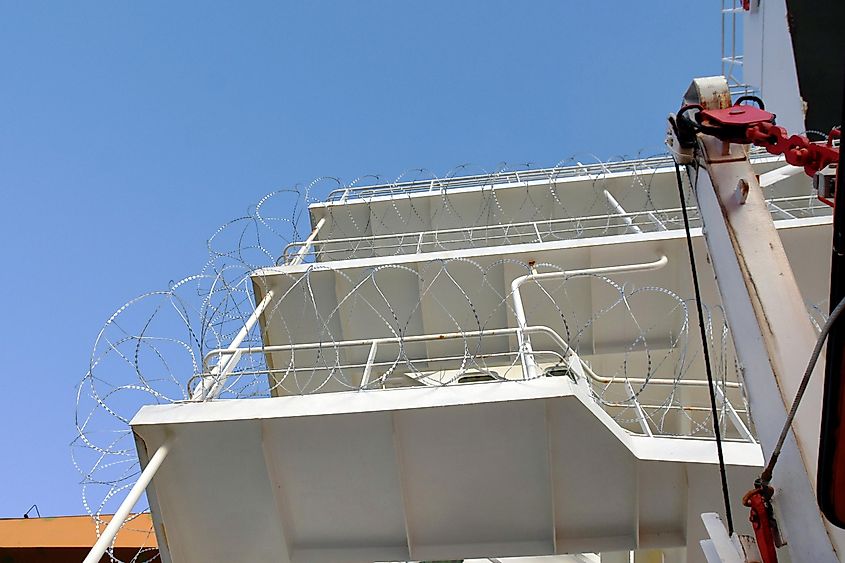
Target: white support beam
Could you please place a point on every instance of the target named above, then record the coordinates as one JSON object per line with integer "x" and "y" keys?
{"x": 309, "y": 242}
{"x": 772, "y": 334}
{"x": 211, "y": 385}
{"x": 117, "y": 521}
{"x": 626, "y": 217}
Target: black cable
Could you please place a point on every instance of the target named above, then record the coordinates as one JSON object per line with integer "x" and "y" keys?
{"x": 705, "y": 346}
{"x": 766, "y": 475}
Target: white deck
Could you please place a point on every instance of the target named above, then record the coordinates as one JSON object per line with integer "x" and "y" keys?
{"x": 492, "y": 469}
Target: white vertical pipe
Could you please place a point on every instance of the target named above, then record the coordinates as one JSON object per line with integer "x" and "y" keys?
{"x": 365, "y": 378}
{"x": 640, "y": 412}
{"x": 526, "y": 353}
{"x": 108, "y": 535}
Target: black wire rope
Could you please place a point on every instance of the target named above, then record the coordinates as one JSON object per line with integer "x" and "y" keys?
{"x": 705, "y": 347}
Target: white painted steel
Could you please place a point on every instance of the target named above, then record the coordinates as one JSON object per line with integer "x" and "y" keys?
{"x": 661, "y": 226}
{"x": 306, "y": 246}
{"x": 526, "y": 352}
{"x": 720, "y": 545}
{"x": 460, "y": 335}
{"x": 108, "y": 535}
{"x": 580, "y": 227}
{"x": 212, "y": 384}
{"x": 621, "y": 212}
{"x": 643, "y": 419}
{"x": 520, "y": 178}
{"x": 500, "y": 455}
{"x": 773, "y": 338}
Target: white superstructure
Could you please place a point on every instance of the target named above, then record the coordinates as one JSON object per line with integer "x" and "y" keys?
{"x": 488, "y": 366}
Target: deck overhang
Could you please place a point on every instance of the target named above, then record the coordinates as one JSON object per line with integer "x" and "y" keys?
{"x": 478, "y": 470}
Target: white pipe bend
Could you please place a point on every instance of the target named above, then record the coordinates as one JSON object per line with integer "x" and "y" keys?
{"x": 529, "y": 367}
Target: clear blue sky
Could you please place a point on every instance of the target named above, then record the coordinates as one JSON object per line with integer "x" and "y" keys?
{"x": 130, "y": 130}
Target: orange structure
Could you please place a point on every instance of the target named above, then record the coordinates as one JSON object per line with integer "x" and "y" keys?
{"x": 69, "y": 539}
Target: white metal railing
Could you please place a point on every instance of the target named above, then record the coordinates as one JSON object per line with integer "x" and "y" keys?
{"x": 504, "y": 178}
{"x": 525, "y": 357}
{"x": 498, "y": 178}
{"x": 540, "y": 231}
{"x": 486, "y": 235}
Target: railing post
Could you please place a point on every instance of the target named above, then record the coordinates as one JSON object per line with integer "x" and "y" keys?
{"x": 641, "y": 417}
{"x": 365, "y": 378}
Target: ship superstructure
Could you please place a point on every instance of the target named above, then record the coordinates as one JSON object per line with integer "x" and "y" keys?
{"x": 478, "y": 366}
{"x": 486, "y": 366}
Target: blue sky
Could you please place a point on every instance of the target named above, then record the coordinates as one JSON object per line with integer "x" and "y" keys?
{"x": 129, "y": 131}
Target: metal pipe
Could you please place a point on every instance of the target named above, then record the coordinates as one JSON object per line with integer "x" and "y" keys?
{"x": 524, "y": 342}
{"x": 211, "y": 385}
{"x": 117, "y": 521}
{"x": 641, "y": 416}
{"x": 621, "y": 211}
{"x": 469, "y": 230}
{"x": 774, "y": 176}
{"x": 661, "y": 225}
{"x": 656, "y": 221}
{"x": 526, "y": 177}
{"x": 306, "y": 246}
{"x": 365, "y": 378}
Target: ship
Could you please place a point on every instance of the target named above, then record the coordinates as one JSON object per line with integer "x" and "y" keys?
{"x": 509, "y": 364}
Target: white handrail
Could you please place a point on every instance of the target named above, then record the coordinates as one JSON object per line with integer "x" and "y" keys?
{"x": 503, "y": 226}
{"x": 453, "y": 335}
